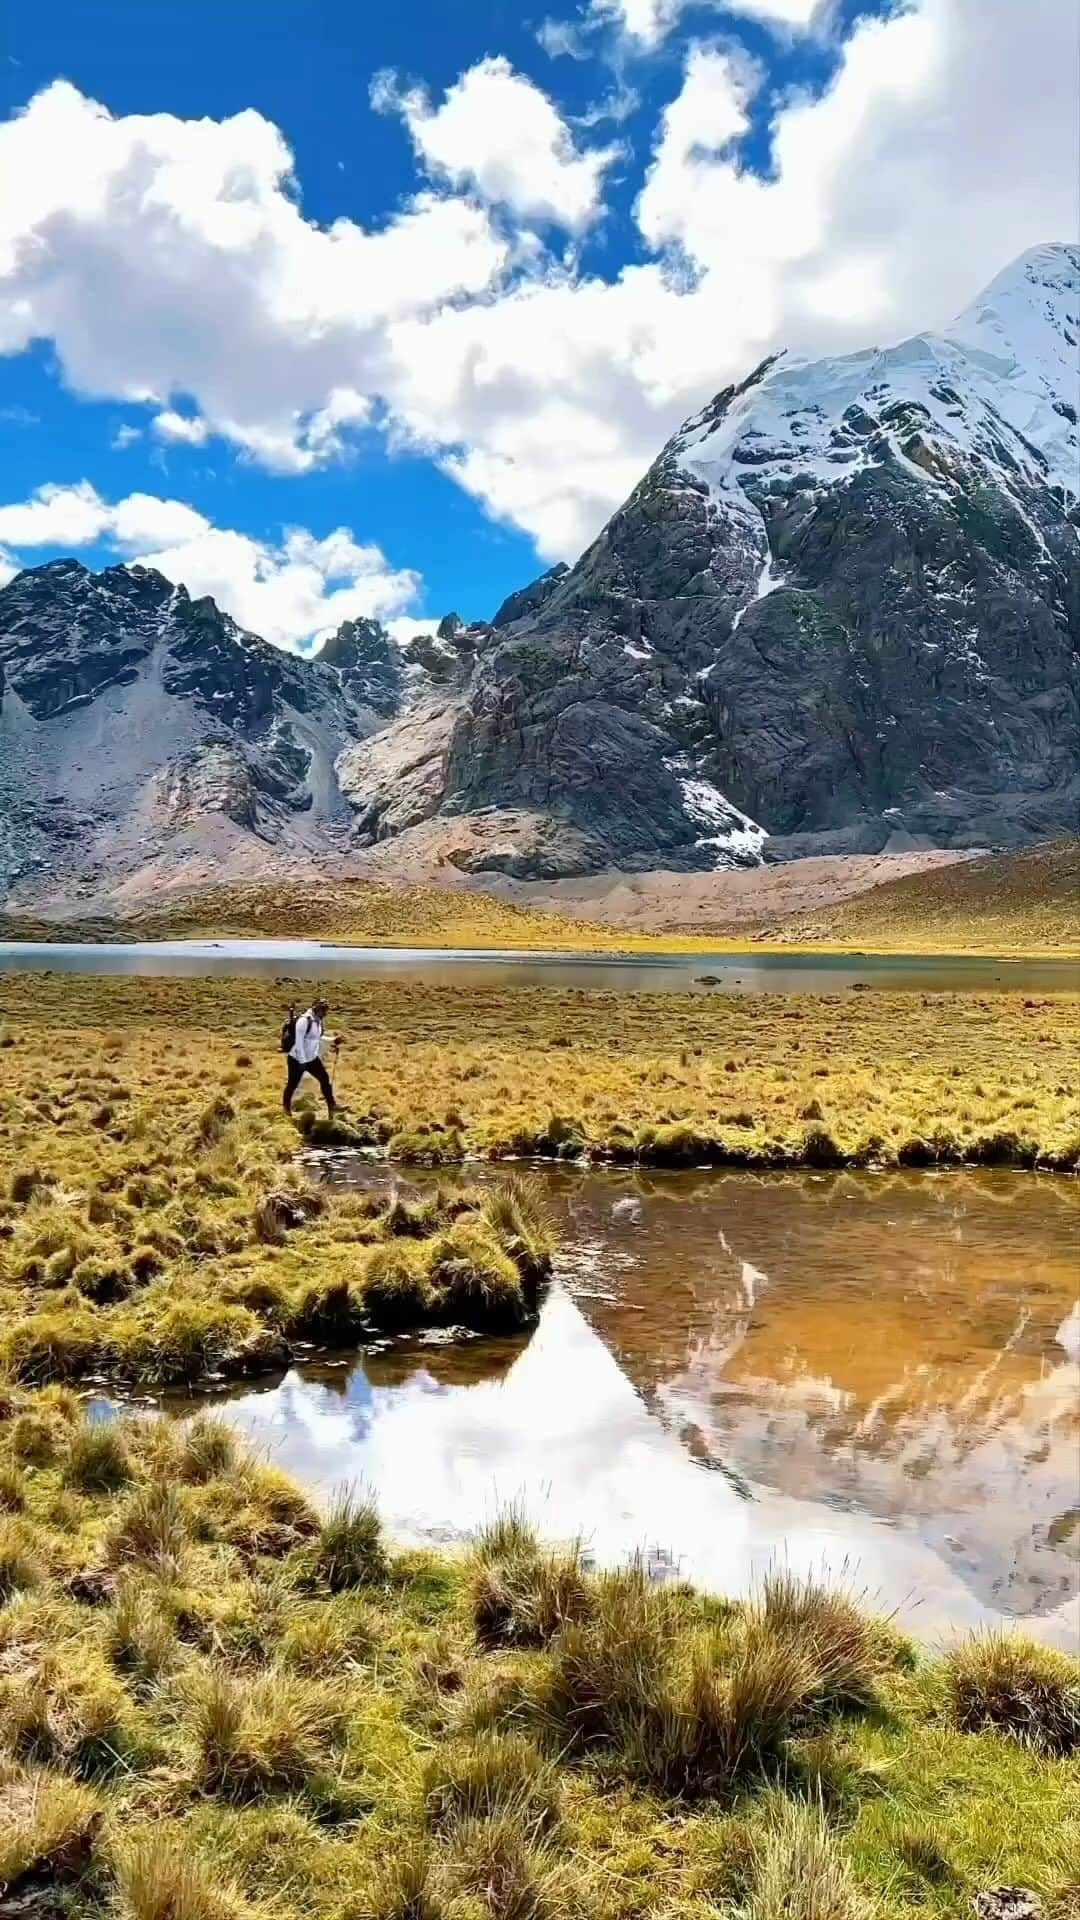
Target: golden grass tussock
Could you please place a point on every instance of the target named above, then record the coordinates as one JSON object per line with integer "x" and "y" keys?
{"x": 191, "y": 1242}
{"x": 1015, "y": 1686}
{"x": 216, "y": 1705}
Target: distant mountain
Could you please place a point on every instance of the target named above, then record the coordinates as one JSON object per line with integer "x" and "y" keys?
{"x": 841, "y": 609}
{"x": 133, "y": 717}
{"x": 841, "y": 612}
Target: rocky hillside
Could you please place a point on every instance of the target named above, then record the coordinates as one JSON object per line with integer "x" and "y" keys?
{"x": 839, "y": 614}
{"x": 134, "y": 719}
{"x": 842, "y": 609}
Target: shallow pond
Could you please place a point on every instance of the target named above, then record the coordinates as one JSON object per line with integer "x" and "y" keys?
{"x": 872, "y": 1376}
{"x": 747, "y": 972}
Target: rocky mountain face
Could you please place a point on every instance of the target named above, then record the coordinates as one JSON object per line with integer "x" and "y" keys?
{"x": 842, "y": 610}
{"x": 132, "y": 716}
{"x": 840, "y": 613}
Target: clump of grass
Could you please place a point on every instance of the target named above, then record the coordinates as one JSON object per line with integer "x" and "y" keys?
{"x": 690, "y": 1708}
{"x": 253, "y": 1735}
{"x": 499, "y": 1862}
{"x": 208, "y": 1449}
{"x": 139, "y": 1636}
{"x": 488, "y": 1776}
{"x": 349, "y": 1550}
{"x": 474, "y": 1282}
{"x": 329, "y": 1636}
{"x": 97, "y": 1460}
{"x": 25, "y": 1182}
{"x": 283, "y": 1209}
{"x": 104, "y": 1278}
{"x": 150, "y": 1527}
{"x": 70, "y": 1714}
{"x": 922, "y": 1850}
{"x": 798, "y": 1871}
{"x": 406, "y": 1888}
{"x": 519, "y": 1217}
{"x": 520, "y": 1595}
{"x": 1015, "y": 1686}
{"x": 12, "y": 1488}
{"x": 396, "y": 1289}
{"x": 21, "y": 1567}
{"x": 215, "y": 1120}
{"x": 48, "y": 1826}
{"x": 158, "y": 1880}
{"x": 846, "y": 1650}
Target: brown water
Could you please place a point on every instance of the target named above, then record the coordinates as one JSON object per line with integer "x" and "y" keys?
{"x": 872, "y": 1376}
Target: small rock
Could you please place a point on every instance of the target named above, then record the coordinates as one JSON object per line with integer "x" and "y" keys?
{"x": 1008, "y": 1903}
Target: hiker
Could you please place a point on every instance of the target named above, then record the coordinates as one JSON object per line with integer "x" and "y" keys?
{"x": 302, "y": 1041}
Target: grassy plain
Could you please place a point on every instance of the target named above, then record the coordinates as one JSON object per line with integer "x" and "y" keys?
{"x": 216, "y": 1704}
{"x": 153, "y": 1224}
{"x": 350, "y": 913}
{"x": 1027, "y": 901}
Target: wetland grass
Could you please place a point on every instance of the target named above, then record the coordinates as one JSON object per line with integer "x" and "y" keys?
{"x": 201, "y": 1720}
{"x": 156, "y": 1225}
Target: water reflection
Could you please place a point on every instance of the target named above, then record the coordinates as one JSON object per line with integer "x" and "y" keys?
{"x": 877, "y": 1374}
{"x": 751, "y": 971}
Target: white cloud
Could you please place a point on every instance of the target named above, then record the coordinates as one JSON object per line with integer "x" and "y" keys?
{"x": 168, "y": 262}
{"x": 893, "y": 198}
{"x": 125, "y": 436}
{"x": 562, "y": 37}
{"x": 650, "y": 21}
{"x": 406, "y": 627}
{"x": 8, "y": 568}
{"x": 678, "y": 201}
{"x": 166, "y": 257}
{"x": 499, "y": 134}
{"x": 289, "y": 592}
{"x": 181, "y": 428}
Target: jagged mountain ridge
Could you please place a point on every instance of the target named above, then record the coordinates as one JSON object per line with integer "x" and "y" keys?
{"x": 841, "y": 612}
{"x": 131, "y": 714}
{"x": 842, "y": 607}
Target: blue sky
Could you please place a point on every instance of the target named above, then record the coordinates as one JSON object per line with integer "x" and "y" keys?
{"x": 596, "y": 217}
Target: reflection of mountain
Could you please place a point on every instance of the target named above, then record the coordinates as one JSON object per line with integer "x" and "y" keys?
{"x": 882, "y": 1348}
{"x": 884, "y": 1369}
{"x": 564, "y": 1435}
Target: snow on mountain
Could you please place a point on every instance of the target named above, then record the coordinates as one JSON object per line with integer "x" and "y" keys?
{"x": 998, "y": 392}
{"x": 841, "y": 612}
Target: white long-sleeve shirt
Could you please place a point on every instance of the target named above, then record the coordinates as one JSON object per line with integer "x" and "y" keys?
{"x": 307, "y": 1045}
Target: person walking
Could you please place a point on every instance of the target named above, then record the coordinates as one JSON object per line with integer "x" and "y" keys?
{"x": 304, "y": 1055}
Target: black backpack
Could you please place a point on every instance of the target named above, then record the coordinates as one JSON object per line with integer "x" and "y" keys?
{"x": 288, "y": 1032}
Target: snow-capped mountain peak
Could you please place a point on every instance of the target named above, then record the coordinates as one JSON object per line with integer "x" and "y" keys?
{"x": 998, "y": 391}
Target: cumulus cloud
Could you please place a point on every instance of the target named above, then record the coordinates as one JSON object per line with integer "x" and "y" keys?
{"x": 164, "y": 257}
{"x": 289, "y": 592}
{"x": 892, "y": 200}
{"x": 650, "y": 21}
{"x": 497, "y": 133}
{"x": 169, "y": 263}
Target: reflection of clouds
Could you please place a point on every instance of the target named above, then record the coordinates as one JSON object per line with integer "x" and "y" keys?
{"x": 1068, "y": 1334}
{"x": 899, "y": 1359}
{"x": 566, "y": 1435}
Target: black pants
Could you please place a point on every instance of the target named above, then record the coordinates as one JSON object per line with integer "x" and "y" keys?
{"x": 296, "y": 1070}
